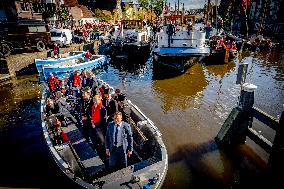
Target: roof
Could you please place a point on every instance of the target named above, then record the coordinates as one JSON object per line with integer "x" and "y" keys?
{"x": 86, "y": 12}
{"x": 71, "y": 3}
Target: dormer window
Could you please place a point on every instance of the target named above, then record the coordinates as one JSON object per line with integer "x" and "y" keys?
{"x": 24, "y": 6}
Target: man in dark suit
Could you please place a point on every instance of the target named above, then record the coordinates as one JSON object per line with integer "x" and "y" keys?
{"x": 119, "y": 142}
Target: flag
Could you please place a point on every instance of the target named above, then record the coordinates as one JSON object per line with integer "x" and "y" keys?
{"x": 121, "y": 28}
{"x": 246, "y": 3}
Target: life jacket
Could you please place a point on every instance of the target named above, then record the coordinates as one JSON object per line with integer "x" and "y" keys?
{"x": 53, "y": 83}
{"x": 96, "y": 113}
{"x": 77, "y": 81}
{"x": 234, "y": 46}
{"x": 88, "y": 55}
{"x": 55, "y": 50}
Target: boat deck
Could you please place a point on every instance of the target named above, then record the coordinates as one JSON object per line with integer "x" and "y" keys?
{"x": 88, "y": 156}
{"x": 181, "y": 51}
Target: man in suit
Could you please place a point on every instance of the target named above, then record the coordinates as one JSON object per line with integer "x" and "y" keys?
{"x": 119, "y": 142}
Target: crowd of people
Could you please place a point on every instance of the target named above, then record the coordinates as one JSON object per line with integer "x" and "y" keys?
{"x": 99, "y": 115}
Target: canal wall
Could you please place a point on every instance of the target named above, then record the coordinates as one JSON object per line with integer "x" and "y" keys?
{"x": 19, "y": 64}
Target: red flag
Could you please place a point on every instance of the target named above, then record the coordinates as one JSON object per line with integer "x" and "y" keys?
{"x": 246, "y": 3}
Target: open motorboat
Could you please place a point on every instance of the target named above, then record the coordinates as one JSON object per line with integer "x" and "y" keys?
{"x": 64, "y": 58}
{"x": 81, "y": 163}
{"x": 66, "y": 67}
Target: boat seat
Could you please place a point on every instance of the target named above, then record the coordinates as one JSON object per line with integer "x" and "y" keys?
{"x": 88, "y": 156}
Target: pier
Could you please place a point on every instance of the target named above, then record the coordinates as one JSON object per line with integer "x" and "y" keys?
{"x": 238, "y": 126}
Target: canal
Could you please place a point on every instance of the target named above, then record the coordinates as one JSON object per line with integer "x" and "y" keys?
{"x": 188, "y": 108}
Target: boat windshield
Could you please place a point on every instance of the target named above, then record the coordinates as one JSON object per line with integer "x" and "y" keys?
{"x": 55, "y": 34}
{"x": 132, "y": 24}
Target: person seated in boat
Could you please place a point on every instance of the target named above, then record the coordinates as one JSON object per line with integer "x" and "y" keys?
{"x": 51, "y": 108}
{"x": 118, "y": 142}
{"x": 88, "y": 56}
{"x": 56, "y": 51}
{"x": 99, "y": 117}
{"x": 58, "y": 136}
{"x": 53, "y": 83}
{"x": 64, "y": 108}
{"x": 109, "y": 104}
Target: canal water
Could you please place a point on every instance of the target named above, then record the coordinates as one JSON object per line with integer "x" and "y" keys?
{"x": 188, "y": 108}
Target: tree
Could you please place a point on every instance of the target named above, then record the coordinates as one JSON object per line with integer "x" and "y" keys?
{"x": 144, "y": 4}
{"x": 158, "y": 7}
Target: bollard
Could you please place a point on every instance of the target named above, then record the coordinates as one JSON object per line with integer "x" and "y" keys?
{"x": 247, "y": 97}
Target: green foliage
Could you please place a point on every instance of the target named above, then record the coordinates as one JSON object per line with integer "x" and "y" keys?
{"x": 158, "y": 7}
{"x": 155, "y": 5}
{"x": 144, "y": 4}
{"x": 101, "y": 16}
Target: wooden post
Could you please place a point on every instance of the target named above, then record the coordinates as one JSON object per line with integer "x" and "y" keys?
{"x": 234, "y": 129}
{"x": 276, "y": 157}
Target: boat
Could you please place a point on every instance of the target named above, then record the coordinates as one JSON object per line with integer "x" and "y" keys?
{"x": 64, "y": 58}
{"x": 66, "y": 67}
{"x": 82, "y": 165}
{"x": 131, "y": 41}
{"x": 223, "y": 49}
{"x": 184, "y": 47}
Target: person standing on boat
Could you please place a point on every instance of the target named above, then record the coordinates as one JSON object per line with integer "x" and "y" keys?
{"x": 99, "y": 116}
{"x": 170, "y": 32}
{"x": 84, "y": 79}
{"x": 53, "y": 83}
{"x": 74, "y": 82}
{"x": 88, "y": 56}
{"x": 86, "y": 113}
{"x": 118, "y": 142}
{"x": 109, "y": 104}
{"x": 56, "y": 51}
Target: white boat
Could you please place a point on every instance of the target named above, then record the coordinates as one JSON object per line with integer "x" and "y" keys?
{"x": 64, "y": 68}
{"x": 181, "y": 48}
{"x": 81, "y": 164}
{"x": 64, "y": 58}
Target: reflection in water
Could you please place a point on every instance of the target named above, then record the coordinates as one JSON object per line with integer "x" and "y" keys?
{"x": 179, "y": 91}
{"x": 221, "y": 70}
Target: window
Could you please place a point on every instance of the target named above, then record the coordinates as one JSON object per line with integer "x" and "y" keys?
{"x": 25, "y": 6}
{"x": 37, "y": 8}
{"x": 55, "y": 34}
{"x": 37, "y": 29}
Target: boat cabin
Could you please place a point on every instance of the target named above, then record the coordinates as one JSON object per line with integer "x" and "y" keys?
{"x": 182, "y": 32}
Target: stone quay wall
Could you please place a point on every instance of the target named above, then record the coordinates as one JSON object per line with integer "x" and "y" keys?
{"x": 17, "y": 62}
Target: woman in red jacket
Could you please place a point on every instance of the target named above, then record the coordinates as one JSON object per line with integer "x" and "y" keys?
{"x": 99, "y": 121}
{"x": 53, "y": 83}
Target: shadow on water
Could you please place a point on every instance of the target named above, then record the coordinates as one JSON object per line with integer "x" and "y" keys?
{"x": 132, "y": 67}
{"x": 24, "y": 158}
{"x": 210, "y": 167}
